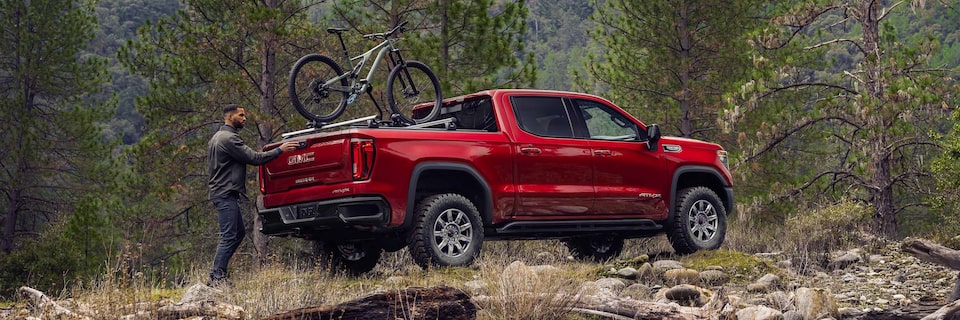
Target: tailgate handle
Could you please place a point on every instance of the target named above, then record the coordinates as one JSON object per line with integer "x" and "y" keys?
{"x": 530, "y": 150}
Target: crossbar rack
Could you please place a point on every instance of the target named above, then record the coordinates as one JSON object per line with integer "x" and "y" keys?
{"x": 328, "y": 126}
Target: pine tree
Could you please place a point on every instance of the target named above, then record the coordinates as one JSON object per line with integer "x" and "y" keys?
{"x": 672, "y": 60}
{"x": 211, "y": 53}
{"x": 53, "y": 154}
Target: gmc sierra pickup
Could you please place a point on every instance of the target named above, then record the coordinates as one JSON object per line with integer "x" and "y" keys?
{"x": 497, "y": 165}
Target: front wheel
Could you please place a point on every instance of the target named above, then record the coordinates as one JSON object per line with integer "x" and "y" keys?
{"x": 413, "y": 92}
{"x": 448, "y": 231}
{"x": 700, "y": 222}
{"x": 309, "y": 92}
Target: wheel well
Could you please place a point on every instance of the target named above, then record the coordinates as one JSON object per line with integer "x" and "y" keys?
{"x": 705, "y": 179}
{"x": 434, "y": 181}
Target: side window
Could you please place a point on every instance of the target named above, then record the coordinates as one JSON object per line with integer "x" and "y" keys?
{"x": 604, "y": 123}
{"x": 542, "y": 116}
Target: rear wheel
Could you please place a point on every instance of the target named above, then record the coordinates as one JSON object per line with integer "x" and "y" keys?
{"x": 700, "y": 222}
{"x": 413, "y": 92}
{"x": 448, "y": 231}
{"x": 309, "y": 93}
{"x": 354, "y": 258}
{"x": 595, "y": 248}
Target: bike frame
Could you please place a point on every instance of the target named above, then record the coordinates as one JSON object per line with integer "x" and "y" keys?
{"x": 384, "y": 48}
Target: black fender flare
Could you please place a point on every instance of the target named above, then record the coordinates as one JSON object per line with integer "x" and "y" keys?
{"x": 728, "y": 205}
{"x": 485, "y": 214}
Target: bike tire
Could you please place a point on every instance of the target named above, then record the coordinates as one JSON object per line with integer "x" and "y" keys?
{"x": 307, "y": 91}
{"x": 411, "y": 86}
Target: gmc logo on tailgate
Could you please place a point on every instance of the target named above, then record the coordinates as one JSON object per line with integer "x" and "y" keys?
{"x": 300, "y": 158}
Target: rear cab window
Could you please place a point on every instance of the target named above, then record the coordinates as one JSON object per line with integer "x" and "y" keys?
{"x": 473, "y": 114}
{"x": 542, "y": 116}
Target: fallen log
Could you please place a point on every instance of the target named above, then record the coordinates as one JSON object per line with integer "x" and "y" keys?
{"x": 41, "y": 303}
{"x": 948, "y": 312}
{"x": 618, "y": 308}
{"x": 936, "y": 254}
{"x": 440, "y": 302}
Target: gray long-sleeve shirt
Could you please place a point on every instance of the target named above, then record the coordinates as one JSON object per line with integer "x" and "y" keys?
{"x": 227, "y": 160}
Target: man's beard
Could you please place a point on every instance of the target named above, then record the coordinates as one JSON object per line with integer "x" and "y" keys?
{"x": 238, "y": 125}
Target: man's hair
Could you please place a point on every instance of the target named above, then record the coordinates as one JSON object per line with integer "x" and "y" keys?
{"x": 230, "y": 109}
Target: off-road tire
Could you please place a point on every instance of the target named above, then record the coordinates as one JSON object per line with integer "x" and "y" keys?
{"x": 354, "y": 258}
{"x": 448, "y": 231}
{"x": 700, "y": 222}
{"x": 595, "y": 248}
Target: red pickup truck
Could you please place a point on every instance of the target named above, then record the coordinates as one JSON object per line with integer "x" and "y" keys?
{"x": 497, "y": 165}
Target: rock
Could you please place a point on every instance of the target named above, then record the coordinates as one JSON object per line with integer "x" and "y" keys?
{"x": 714, "y": 277}
{"x": 815, "y": 303}
{"x": 844, "y": 261}
{"x": 475, "y": 287}
{"x": 785, "y": 264}
{"x": 683, "y": 292}
{"x": 544, "y": 257}
{"x": 646, "y": 271}
{"x": 201, "y": 292}
{"x": 636, "y": 291}
{"x": 770, "y": 280}
{"x": 757, "y": 287}
{"x": 628, "y": 273}
{"x": 613, "y": 285}
{"x": 638, "y": 260}
{"x": 667, "y": 265}
{"x": 759, "y": 313}
{"x": 681, "y": 276}
{"x": 780, "y": 300}
{"x": 792, "y": 315}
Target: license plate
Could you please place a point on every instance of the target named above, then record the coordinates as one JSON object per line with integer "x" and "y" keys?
{"x": 306, "y": 212}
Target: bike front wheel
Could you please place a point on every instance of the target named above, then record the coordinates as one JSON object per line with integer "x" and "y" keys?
{"x": 413, "y": 92}
{"x": 310, "y": 94}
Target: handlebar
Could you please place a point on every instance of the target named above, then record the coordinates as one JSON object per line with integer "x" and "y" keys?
{"x": 387, "y": 34}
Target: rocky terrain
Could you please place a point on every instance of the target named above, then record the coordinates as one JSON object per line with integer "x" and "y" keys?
{"x": 885, "y": 283}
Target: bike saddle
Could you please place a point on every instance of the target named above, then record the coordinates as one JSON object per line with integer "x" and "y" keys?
{"x": 336, "y": 30}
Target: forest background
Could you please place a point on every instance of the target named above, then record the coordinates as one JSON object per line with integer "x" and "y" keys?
{"x": 106, "y": 106}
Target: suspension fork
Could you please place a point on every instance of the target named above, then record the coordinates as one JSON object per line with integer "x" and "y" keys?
{"x": 395, "y": 60}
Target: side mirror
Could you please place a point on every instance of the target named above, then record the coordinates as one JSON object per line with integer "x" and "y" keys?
{"x": 653, "y": 137}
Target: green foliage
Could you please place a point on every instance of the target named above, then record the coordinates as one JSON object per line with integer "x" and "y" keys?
{"x": 69, "y": 250}
{"x": 470, "y": 44}
{"x": 55, "y": 160}
{"x": 672, "y": 59}
{"x": 743, "y": 265}
{"x": 853, "y": 126}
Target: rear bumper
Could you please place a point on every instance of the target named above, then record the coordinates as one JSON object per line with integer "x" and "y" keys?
{"x": 304, "y": 219}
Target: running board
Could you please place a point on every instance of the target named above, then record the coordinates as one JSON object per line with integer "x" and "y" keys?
{"x": 579, "y": 226}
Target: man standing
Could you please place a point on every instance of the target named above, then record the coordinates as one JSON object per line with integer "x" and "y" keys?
{"x": 226, "y": 163}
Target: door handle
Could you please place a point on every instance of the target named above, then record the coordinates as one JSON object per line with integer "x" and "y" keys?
{"x": 530, "y": 150}
{"x": 602, "y": 152}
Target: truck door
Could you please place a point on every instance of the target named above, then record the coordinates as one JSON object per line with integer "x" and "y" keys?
{"x": 554, "y": 170}
{"x": 629, "y": 179}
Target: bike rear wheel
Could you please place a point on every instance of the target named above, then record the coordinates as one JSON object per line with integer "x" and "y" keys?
{"x": 308, "y": 92}
{"x": 413, "y": 92}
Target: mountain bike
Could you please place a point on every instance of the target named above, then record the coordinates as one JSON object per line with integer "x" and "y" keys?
{"x": 321, "y": 90}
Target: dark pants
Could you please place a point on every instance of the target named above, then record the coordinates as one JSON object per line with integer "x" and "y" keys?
{"x": 231, "y": 232}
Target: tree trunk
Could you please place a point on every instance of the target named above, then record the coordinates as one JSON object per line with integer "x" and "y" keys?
{"x": 881, "y": 185}
{"x": 10, "y": 222}
{"x": 686, "y": 124}
{"x": 268, "y": 107}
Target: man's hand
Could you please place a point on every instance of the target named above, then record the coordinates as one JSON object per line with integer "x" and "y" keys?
{"x": 289, "y": 146}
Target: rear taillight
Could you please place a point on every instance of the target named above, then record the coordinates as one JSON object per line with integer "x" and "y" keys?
{"x": 261, "y": 177}
{"x": 363, "y": 152}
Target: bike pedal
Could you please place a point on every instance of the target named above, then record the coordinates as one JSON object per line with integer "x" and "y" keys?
{"x": 351, "y": 99}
